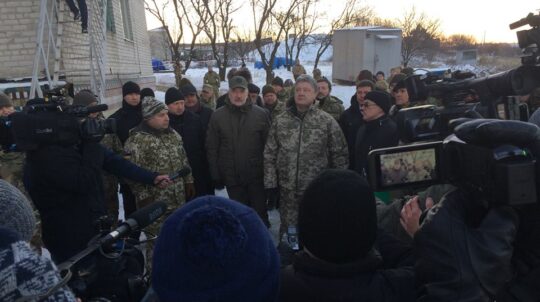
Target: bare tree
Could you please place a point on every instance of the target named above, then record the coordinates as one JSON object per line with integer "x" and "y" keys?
{"x": 306, "y": 26}
{"x": 218, "y": 26}
{"x": 196, "y": 24}
{"x": 353, "y": 13}
{"x": 174, "y": 32}
{"x": 242, "y": 44}
{"x": 459, "y": 41}
{"x": 266, "y": 25}
{"x": 419, "y": 32}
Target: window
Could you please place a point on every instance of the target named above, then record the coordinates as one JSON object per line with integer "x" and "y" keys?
{"x": 126, "y": 19}
{"x": 110, "y": 17}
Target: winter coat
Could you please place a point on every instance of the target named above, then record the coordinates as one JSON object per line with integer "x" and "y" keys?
{"x": 462, "y": 258}
{"x": 299, "y": 147}
{"x": 331, "y": 105}
{"x": 349, "y": 121}
{"x": 66, "y": 185}
{"x": 235, "y": 143}
{"x": 310, "y": 279}
{"x": 220, "y": 102}
{"x": 376, "y": 134}
{"x": 161, "y": 151}
{"x": 190, "y": 128}
{"x": 204, "y": 114}
{"x": 127, "y": 118}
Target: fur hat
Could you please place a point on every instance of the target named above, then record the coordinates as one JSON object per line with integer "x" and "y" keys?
{"x": 16, "y": 212}
{"x": 151, "y": 107}
{"x": 268, "y": 89}
{"x": 215, "y": 249}
{"x": 252, "y": 88}
{"x": 172, "y": 95}
{"x": 337, "y": 220}
{"x": 381, "y": 98}
{"x": 277, "y": 81}
{"x": 130, "y": 87}
{"x": 84, "y": 98}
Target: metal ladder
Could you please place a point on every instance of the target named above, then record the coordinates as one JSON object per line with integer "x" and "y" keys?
{"x": 62, "y": 51}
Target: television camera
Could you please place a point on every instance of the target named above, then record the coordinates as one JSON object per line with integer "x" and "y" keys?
{"x": 463, "y": 95}
{"x": 51, "y": 121}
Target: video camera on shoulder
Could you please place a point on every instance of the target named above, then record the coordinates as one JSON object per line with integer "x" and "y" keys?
{"x": 504, "y": 174}
{"x": 52, "y": 122}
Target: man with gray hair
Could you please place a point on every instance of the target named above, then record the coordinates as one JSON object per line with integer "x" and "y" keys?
{"x": 303, "y": 141}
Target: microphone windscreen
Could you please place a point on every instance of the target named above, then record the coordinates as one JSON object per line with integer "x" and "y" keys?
{"x": 145, "y": 216}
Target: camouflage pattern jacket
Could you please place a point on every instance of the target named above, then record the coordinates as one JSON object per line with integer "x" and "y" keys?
{"x": 298, "y": 149}
{"x": 275, "y": 110}
{"x": 211, "y": 103}
{"x": 212, "y": 78}
{"x": 283, "y": 95}
{"x": 162, "y": 152}
{"x": 331, "y": 105}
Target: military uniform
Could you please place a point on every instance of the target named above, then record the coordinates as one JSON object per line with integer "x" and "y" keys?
{"x": 298, "y": 70}
{"x": 298, "y": 148}
{"x": 160, "y": 151}
{"x": 211, "y": 103}
{"x": 277, "y": 109}
{"x": 331, "y": 105}
{"x": 110, "y": 181}
{"x": 212, "y": 78}
{"x": 283, "y": 96}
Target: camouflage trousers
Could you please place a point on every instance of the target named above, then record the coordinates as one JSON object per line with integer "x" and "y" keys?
{"x": 11, "y": 170}
{"x": 288, "y": 209}
{"x": 152, "y": 231}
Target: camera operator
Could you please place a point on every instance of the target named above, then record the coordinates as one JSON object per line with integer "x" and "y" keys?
{"x": 469, "y": 246}
{"x": 66, "y": 184}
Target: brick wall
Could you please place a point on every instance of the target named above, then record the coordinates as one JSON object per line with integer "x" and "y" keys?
{"x": 126, "y": 59}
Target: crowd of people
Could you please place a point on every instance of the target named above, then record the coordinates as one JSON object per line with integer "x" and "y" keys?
{"x": 293, "y": 147}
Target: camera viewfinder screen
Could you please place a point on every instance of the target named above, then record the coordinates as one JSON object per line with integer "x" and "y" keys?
{"x": 408, "y": 167}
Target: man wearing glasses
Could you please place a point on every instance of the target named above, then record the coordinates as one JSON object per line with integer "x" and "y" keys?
{"x": 378, "y": 131}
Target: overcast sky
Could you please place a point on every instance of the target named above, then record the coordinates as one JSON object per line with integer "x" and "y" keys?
{"x": 479, "y": 18}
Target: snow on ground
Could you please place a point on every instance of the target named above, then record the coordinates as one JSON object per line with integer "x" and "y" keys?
{"x": 196, "y": 75}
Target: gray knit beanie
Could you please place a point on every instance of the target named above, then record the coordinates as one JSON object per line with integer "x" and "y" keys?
{"x": 16, "y": 212}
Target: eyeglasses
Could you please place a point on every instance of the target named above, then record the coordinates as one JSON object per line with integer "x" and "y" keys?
{"x": 367, "y": 105}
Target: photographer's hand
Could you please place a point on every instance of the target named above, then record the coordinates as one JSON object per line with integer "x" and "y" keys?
{"x": 410, "y": 215}
{"x": 162, "y": 181}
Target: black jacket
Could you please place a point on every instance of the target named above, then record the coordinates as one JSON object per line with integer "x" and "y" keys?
{"x": 204, "y": 113}
{"x": 349, "y": 121}
{"x": 309, "y": 279}
{"x": 189, "y": 126}
{"x": 379, "y": 133}
{"x": 220, "y": 102}
{"x": 235, "y": 144}
{"x": 127, "y": 118}
{"x": 66, "y": 186}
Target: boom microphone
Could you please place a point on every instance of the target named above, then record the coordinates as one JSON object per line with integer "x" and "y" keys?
{"x": 136, "y": 221}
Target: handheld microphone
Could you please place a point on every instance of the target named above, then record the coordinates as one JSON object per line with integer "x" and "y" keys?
{"x": 181, "y": 173}
{"x": 136, "y": 221}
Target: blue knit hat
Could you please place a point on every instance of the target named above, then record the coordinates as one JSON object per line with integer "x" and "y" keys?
{"x": 215, "y": 249}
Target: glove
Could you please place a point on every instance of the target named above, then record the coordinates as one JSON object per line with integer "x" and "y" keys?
{"x": 219, "y": 185}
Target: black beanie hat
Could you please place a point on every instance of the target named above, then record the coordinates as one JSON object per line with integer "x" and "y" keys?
{"x": 130, "y": 87}
{"x": 381, "y": 98}
{"x": 252, "y": 88}
{"x": 337, "y": 220}
{"x": 188, "y": 89}
{"x": 147, "y": 92}
{"x": 172, "y": 95}
{"x": 277, "y": 81}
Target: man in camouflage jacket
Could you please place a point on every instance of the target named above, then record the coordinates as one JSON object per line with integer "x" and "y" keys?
{"x": 326, "y": 102}
{"x": 155, "y": 146}
{"x": 303, "y": 141}
{"x": 212, "y": 78}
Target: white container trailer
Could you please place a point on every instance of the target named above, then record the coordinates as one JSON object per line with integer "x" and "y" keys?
{"x": 370, "y": 47}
